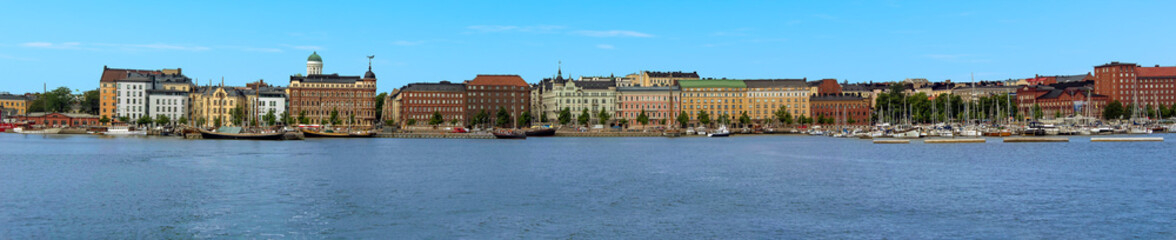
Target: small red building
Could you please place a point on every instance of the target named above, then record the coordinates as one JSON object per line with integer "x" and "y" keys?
{"x": 1069, "y": 99}
{"x": 841, "y": 108}
{"x": 60, "y": 119}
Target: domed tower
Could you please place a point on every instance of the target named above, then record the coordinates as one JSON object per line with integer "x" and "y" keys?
{"x": 314, "y": 64}
{"x": 369, "y": 74}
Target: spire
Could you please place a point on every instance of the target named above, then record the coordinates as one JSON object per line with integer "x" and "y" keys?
{"x": 559, "y": 68}
{"x": 370, "y": 62}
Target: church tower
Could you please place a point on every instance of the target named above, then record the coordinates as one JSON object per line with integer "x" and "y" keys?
{"x": 314, "y": 64}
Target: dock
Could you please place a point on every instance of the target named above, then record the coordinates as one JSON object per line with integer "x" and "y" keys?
{"x": 891, "y": 141}
{"x": 956, "y": 140}
{"x": 615, "y": 134}
{"x": 436, "y": 135}
{"x": 1035, "y": 139}
{"x": 1127, "y": 139}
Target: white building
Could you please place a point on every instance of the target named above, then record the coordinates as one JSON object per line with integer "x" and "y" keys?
{"x": 170, "y": 103}
{"x": 265, "y": 100}
{"x": 131, "y": 97}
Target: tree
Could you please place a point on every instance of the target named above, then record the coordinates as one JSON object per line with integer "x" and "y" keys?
{"x": 850, "y": 121}
{"x": 623, "y": 122}
{"x": 1057, "y": 114}
{"x": 683, "y": 119}
{"x": 503, "y": 117}
{"x": 144, "y": 120}
{"x": 124, "y": 119}
{"x": 104, "y": 120}
{"x": 783, "y": 115}
{"x": 744, "y": 119}
{"x": 285, "y": 117}
{"x": 334, "y": 119}
{"x": 724, "y": 119}
{"x": 351, "y": 119}
{"x": 525, "y": 119}
{"x": 389, "y": 122}
{"x": 642, "y": 118}
{"x": 1037, "y": 114}
{"x": 603, "y": 116}
{"x": 270, "y": 118}
{"x": 183, "y": 120}
{"x": 565, "y": 116}
{"x": 1113, "y": 110}
{"x": 201, "y": 121}
{"x": 91, "y": 101}
{"x": 410, "y": 122}
{"x": 238, "y": 114}
{"x": 57, "y": 100}
{"x": 302, "y": 119}
{"x": 437, "y": 119}
{"x": 543, "y": 117}
{"x": 162, "y": 120}
{"x": 1129, "y": 111}
{"x": 482, "y": 117}
{"x": 453, "y": 122}
{"x": 704, "y": 117}
{"x": 217, "y": 122}
{"x": 584, "y": 117}
{"x": 380, "y": 105}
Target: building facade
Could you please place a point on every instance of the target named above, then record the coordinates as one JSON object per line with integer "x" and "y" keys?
{"x": 492, "y": 92}
{"x": 60, "y": 119}
{"x": 317, "y": 95}
{"x": 1129, "y": 82}
{"x": 844, "y": 109}
{"x": 591, "y": 94}
{"x": 109, "y": 91}
{"x": 1067, "y": 99}
{"x": 662, "y": 79}
{"x": 12, "y": 104}
{"x": 419, "y": 101}
{"x": 213, "y": 104}
{"x": 660, "y": 104}
{"x": 765, "y": 97}
{"x": 715, "y": 97}
{"x": 170, "y": 103}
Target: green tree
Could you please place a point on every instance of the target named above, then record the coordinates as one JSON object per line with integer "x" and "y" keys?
{"x": 389, "y": 122}
{"x": 91, "y": 101}
{"x": 1037, "y": 113}
{"x": 1129, "y": 111}
{"x": 543, "y": 117}
{"x": 57, "y": 100}
{"x": 270, "y": 118}
{"x": 144, "y": 120}
{"x": 503, "y": 118}
{"x": 565, "y": 116}
{"x": 683, "y": 119}
{"x": 302, "y": 119}
{"x": 453, "y": 122}
{"x": 783, "y": 115}
{"x": 410, "y": 122}
{"x": 724, "y": 119}
{"x": 623, "y": 122}
{"x": 104, "y": 120}
{"x": 351, "y": 119}
{"x": 584, "y": 117}
{"x": 704, "y": 117}
{"x": 217, "y": 122}
{"x": 481, "y": 118}
{"x": 380, "y": 105}
{"x": 744, "y": 119}
{"x": 524, "y": 119}
{"x": 437, "y": 119}
{"x": 334, "y": 119}
{"x": 200, "y": 122}
{"x": 183, "y": 120}
{"x": 238, "y": 114}
{"x": 162, "y": 120}
{"x": 642, "y": 118}
{"x": 286, "y": 118}
{"x": 1113, "y": 110}
{"x": 1057, "y": 114}
{"x": 603, "y": 116}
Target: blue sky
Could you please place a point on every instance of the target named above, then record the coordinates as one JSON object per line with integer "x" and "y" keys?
{"x": 67, "y": 43}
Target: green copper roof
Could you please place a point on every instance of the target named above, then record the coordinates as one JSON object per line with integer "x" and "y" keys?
{"x": 314, "y": 57}
{"x": 712, "y": 84}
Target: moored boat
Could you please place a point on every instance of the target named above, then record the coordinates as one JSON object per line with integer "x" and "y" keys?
{"x": 543, "y": 132}
{"x": 241, "y": 136}
{"x": 510, "y": 135}
{"x": 316, "y": 134}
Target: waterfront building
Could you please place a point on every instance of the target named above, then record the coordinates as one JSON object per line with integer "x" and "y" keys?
{"x": 491, "y": 92}
{"x": 661, "y": 104}
{"x": 131, "y": 96}
{"x": 317, "y": 95}
{"x": 60, "y": 119}
{"x": 391, "y": 107}
{"x": 827, "y": 86}
{"x": 594, "y": 94}
{"x": 844, "y": 109}
{"x": 765, "y": 97}
{"x": 264, "y": 99}
{"x": 715, "y": 97}
{"x": 109, "y": 91}
{"x": 419, "y": 102}
{"x": 1129, "y": 82}
{"x": 170, "y": 103}
{"x": 662, "y": 79}
{"x": 11, "y": 104}
{"x": 1068, "y": 99}
{"x": 544, "y": 99}
{"x": 212, "y": 104}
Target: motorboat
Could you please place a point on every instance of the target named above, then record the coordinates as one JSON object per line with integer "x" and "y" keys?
{"x": 721, "y": 132}
{"x": 36, "y": 131}
{"x": 510, "y": 135}
{"x": 125, "y": 130}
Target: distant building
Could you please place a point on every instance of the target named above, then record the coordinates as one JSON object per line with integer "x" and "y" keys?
{"x": 12, "y": 105}
{"x": 317, "y": 95}
{"x": 419, "y": 101}
{"x": 656, "y": 79}
{"x": 1068, "y": 99}
{"x": 715, "y": 97}
{"x": 660, "y": 104}
{"x": 594, "y": 94}
{"x": 211, "y": 104}
{"x": 828, "y": 86}
{"x": 60, "y": 119}
{"x": 109, "y": 89}
{"x": 844, "y": 109}
{"x": 765, "y": 97}
{"x": 1129, "y": 82}
{"x": 493, "y": 92}
{"x": 263, "y": 99}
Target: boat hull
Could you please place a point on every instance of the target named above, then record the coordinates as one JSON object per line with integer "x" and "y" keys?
{"x": 232, "y": 136}
{"x": 314, "y": 134}
{"x": 541, "y": 133}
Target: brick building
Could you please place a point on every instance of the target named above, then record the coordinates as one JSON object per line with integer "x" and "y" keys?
{"x": 1068, "y": 98}
{"x": 418, "y": 101}
{"x": 317, "y": 95}
{"x": 491, "y": 92}
{"x": 1127, "y": 81}
{"x": 659, "y": 103}
{"x": 60, "y": 119}
{"x": 828, "y": 86}
{"x": 841, "y": 108}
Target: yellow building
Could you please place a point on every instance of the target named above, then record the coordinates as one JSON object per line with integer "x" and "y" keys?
{"x": 663, "y": 79}
{"x": 765, "y": 97}
{"x": 211, "y": 103}
{"x": 14, "y": 104}
{"x": 715, "y": 97}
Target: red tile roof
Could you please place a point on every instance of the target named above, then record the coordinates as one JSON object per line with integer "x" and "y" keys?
{"x": 1156, "y": 71}
{"x": 111, "y": 74}
{"x": 498, "y": 80}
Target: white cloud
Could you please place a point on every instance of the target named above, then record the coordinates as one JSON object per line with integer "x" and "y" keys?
{"x": 605, "y": 46}
{"x": 49, "y": 45}
{"x": 407, "y": 43}
{"x": 611, "y": 33}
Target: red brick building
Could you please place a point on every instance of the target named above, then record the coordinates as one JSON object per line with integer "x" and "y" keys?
{"x": 491, "y": 92}
{"x": 418, "y": 101}
{"x": 1126, "y": 81}
{"x": 1069, "y": 99}
{"x": 828, "y": 86}
{"x": 60, "y": 119}
{"x": 317, "y": 95}
{"x": 842, "y": 108}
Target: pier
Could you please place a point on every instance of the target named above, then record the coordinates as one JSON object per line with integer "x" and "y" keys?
{"x": 956, "y": 140}
{"x": 1127, "y": 139}
{"x": 1035, "y": 139}
{"x": 891, "y": 141}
